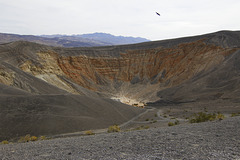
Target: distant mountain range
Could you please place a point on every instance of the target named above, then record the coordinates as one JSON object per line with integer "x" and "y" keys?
{"x": 83, "y": 40}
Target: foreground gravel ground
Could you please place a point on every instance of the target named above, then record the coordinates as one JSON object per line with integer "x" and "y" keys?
{"x": 211, "y": 140}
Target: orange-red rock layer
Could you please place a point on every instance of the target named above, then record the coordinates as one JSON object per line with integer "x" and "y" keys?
{"x": 172, "y": 65}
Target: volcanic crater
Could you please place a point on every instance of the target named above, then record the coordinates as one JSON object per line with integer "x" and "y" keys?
{"x": 53, "y": 90}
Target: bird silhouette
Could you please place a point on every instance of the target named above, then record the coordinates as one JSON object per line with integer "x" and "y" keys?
{"x": 158, "y": 13}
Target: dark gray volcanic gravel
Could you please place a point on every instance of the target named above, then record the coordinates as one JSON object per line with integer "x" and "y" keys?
{"x": 210, "y": 140}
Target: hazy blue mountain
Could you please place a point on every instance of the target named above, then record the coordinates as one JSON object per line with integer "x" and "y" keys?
{"x": 108, "y": 38}
{"x": 85, "y": 40}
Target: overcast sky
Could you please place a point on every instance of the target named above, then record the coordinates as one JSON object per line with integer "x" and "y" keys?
{"x": 119, "y": 17}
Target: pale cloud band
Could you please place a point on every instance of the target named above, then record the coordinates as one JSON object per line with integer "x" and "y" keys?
{"x": 119, "y": 17}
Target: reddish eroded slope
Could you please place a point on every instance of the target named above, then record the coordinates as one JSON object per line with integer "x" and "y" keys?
{"x": 164, "y": 66}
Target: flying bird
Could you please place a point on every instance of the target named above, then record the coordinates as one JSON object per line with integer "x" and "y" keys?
{"x": 158, "y": 13}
